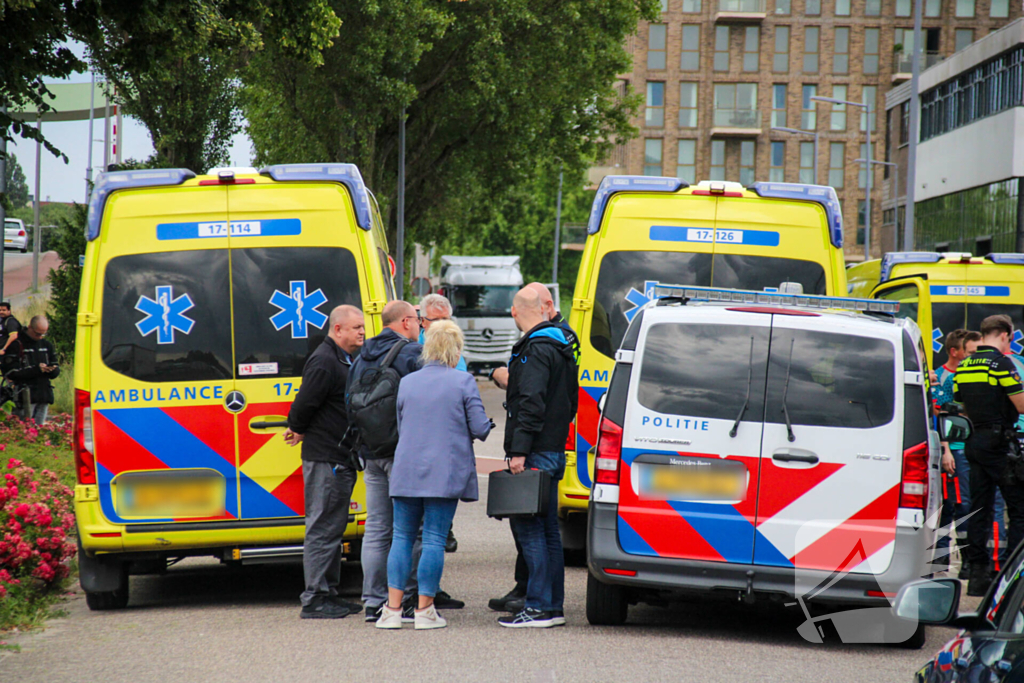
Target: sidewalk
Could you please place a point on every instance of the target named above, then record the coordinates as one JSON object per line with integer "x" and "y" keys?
{"x": 18, "y": 277}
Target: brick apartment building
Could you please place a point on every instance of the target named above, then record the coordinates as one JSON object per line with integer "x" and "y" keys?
{"x": 717, "y": 75}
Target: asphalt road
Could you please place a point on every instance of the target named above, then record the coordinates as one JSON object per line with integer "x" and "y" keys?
{"x": 205, "y": 622}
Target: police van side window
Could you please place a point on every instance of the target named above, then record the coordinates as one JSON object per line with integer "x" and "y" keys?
{"x": 738, "y": 271}
{"x": 166, "y": 316}
{"x": 911, "y": 361}
{"x": 835, "y": 380}
{"x": 282, "y": 299}
{"x": 703, "y": 370}
{"x": 620, "y": 288}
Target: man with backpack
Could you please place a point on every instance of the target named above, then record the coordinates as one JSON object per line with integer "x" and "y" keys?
{"x": 31, "y": 362}
{"x": 372, "y": 400}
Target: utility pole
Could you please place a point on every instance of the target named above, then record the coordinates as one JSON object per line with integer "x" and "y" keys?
{"x": 37, "y": 233}
{"x": 915, "y": 106}
{"x": 558, "y": 228}
{"x": 400, "y": 256}
{"x": 92, "y": 115}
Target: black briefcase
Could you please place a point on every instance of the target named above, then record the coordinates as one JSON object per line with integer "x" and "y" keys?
{"x": 527, "y": 494}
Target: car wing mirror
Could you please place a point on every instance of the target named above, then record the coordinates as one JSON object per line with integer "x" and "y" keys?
{"x": 955, "y": 428}
{"x": 933, "y": 602}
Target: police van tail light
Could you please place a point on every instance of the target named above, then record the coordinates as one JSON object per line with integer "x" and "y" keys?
{"x": 914, "y": 483}
{"x": 609, "y": 453}
{"x": 570, "y": 440}
{"x": 85, "y": 461}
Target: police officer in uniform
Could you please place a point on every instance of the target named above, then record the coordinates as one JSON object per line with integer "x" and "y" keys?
{"x": 988, "y": 386}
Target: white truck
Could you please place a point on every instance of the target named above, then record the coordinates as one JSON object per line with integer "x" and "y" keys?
{"x": 481, "y": 289}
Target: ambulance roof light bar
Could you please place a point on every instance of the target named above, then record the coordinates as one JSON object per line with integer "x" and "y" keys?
{"x": 1006, "y": 259}
{"x": 614, "y": 184}
{"x": 821, "y": 194}
{"x": 748, "y": 297}
{"x": 894, "y": 257}
{"x": 109, "y": 182}
{"x": 346, "y": 174}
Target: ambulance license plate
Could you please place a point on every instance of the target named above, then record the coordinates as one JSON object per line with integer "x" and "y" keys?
{"x": 700, "y": 479}
{"x": 175, "y": 493}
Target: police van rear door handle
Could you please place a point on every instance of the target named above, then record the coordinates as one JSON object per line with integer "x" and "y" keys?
{"x": 795, "y": 455}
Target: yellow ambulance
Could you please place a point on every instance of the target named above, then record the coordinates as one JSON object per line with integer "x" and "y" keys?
{"x": 947, "y": 291}
{"x": 644, "y": 230}
{"x": 201, "y": 298}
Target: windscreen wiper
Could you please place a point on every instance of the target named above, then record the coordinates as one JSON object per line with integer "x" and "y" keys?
{"x": 746, "y": 401}
{"x": 785, "y": 393}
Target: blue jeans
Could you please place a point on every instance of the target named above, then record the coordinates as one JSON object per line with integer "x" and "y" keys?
{"x": 542, "y": 542}
{"x": 950, "y": 508}
{"x": 999, "y": 518}
{"x": 436, "y": 515}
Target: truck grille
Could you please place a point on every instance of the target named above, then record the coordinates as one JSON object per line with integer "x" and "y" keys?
{"x": 500, "y": 341}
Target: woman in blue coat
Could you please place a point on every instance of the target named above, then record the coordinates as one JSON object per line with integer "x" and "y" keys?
{"x": 439, "y": 415}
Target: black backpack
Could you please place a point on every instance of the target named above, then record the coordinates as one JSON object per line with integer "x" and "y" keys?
{"x": 372, "y": 405}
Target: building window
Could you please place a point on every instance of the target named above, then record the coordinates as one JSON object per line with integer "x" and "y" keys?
{"x": 999, "y": 9}
{"x": 838, "y": 118}
{"x": 904, "y": 7}
{"x": 780, "y": 59}
{"x": 862, "y": 173}
{"x": 782, "y": 7}
{"x": 652, "y": 156}
{"x": 691, "y": 6}
{"x": 655, "y": 105}
{"x": 721, "y": 48}
{"x": 965, "y": 8}
{"x": 841, "y": 56}
{"x": 836, "y": 164}
{"x": 872, "y": 8}
{"x": 747, "y": 156}
{"x": 869, "y": 95}
{"x": 687, "y": 105}
{"x": 842, "y": 8}
{"x": 777, "y": 166}
{"x": 664, "y": 5}
{"x": 933, "y": 8}
{"x": 808, "y": 111}
{"x": 871, "y": 50}
{"x": 811, "y": 49}
{"x": 751, "y": 48}
{"x": 812, "y": 8}
{"x": 736, "y": 105}
{"x": 862, "y": 209}
{"x": 717, "y": 160}
{"x": 905, "y": 123}
{"x": 807, "y": 163}
{"x": 656, "y": 47}
{"x": 779, "y": 104}
{"x": 964, "y": 37}
{"x": 689, "y": 60}
{"x": 686, "y": 163}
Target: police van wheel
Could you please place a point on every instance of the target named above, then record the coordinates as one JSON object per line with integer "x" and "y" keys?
{"x": 607, "y": 605}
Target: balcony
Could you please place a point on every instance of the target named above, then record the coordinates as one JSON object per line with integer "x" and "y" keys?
{"x": 902, "y": 64}
{"x": 741, "y": 11}
{"x": 737, "y": 122}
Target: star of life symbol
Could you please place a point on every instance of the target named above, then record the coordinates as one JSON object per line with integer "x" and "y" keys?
{"x": 937, "y": 340}
{"x": 638, "y": 298}
{"x": 1015, "y": 343}
{"x": 164, "y": 315}
{"x": 298, "y": 309}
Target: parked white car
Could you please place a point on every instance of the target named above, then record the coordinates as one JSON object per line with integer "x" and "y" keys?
{"x": 15, "y": 235}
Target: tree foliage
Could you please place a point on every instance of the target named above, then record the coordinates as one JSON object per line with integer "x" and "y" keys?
{"x": 492, "y": 90}
{"x": 68, "y": 240}
{"x": 16, "y": 194}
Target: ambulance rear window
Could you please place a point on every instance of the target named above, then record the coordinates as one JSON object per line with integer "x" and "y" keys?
{"x": 166, "y": 316}
{"x": 740, "y": 271}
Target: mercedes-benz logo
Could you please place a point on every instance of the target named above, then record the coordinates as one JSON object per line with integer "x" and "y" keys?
{"x": 487, "y": 334}
{"x": 235, "y": 402}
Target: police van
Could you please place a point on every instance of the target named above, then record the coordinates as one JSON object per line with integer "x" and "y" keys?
{"x": 713, "y": 234}
{"x": 201, "y": 298}
{"x": 762, "y": 445}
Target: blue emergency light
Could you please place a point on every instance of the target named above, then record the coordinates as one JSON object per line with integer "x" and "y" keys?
{"x": 614, "y": 184}
{"x": 1007, "y": 259}
{"x": 821, "y": 194}
{"x": 346, "y": 174}
{"x": 753, "y": 297}
{"x": 122, "y": 180}
{"x": 894, "y": 257}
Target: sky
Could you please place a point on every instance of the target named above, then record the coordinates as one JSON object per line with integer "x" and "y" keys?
{"x": 60, "y": 182}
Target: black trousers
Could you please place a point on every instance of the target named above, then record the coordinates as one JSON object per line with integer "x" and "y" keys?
{"x": 522, "y": 573}
{"x": 986, "y": 452}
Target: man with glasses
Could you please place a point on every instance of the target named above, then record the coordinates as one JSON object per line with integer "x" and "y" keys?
{"x": 31, "y": 362}
{"x": 434, "y": 307}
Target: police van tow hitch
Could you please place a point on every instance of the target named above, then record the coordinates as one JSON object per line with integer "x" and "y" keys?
{"x": 749, "y": 597}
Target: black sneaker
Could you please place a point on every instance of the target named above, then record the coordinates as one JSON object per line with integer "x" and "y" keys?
{"x": 444, "y": 601}
{"x": 558, "y": 618}
{"x": 528, "y": 618}
{"x": 322, "y": 608}
{"x": 373, "y": 613}
{"x": 501, "y": 604}
{"x": 409, "y": 610}
{"x": 515, "y": 606}
{"x": 352, "y": 607}
{"x": 452, "y": 544}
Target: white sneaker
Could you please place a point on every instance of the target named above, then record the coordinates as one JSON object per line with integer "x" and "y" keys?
{"x": 389, "y": 618}
{"x": 429, "y": 618}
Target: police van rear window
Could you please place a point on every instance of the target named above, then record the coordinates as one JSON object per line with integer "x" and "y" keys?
{"x": 835, "y": 380}
{"x": 166, "y": 316}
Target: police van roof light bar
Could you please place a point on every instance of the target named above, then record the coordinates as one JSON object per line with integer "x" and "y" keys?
{"x": 346, "y": 174}
{"x": 614, "y": 184}
{"x": 748, "y": 296}
{"x": 107, "y": 183}
{"x": 820, "y": 194}
{"x": 894, "y": 257}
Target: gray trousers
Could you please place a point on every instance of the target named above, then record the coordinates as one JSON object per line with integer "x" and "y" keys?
{"x": 377, "y": 534}
{"x": 37, "y": 411}
{"x": 328, "y": 493}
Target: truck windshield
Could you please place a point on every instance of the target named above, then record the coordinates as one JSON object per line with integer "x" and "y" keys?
{"x": 475, "y": 300}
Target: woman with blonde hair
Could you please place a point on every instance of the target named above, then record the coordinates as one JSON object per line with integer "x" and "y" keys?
{"x": 439, "y": 415}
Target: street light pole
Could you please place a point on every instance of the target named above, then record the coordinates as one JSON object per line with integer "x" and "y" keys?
{"x": 400, "y": 260}
{"x": 558, "y": 228}
{"x": 896, "y": 198}
{"x": 915, "y": 107}
{"x": 797, "y": 131}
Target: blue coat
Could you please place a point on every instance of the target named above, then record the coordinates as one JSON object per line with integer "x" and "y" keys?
{"x": 439, "y": 415}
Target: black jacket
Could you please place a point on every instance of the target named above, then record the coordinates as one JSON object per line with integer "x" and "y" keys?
{"x": 542, "y": 391}
{"x": 406, "y": 362}
{"x": 21, "y": 365}
{"x": 318, "y": 411}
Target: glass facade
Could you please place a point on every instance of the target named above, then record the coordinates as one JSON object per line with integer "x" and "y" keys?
{"x": 962, "y": 220}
